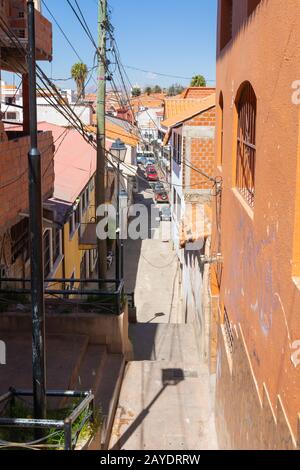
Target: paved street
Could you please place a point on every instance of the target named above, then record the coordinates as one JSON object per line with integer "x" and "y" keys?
{"x": 165, "y": 400}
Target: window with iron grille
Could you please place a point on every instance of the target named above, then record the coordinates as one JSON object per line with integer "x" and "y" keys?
{"x": 47, "y": 253}
{"x": 246, "y": 144}
{"x": 177, "y": 148}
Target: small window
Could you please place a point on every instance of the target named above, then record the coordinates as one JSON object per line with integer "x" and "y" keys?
{"x": 246, "y": 143}
{"x": 226, "y": 23}
{"x": 177, "y": 148}
{"x": 10, "y": 116}
{"x": 21, "y": 34}
{"x": 21, "y": 14}
{"x": 71, "y": 224}
{"x": 77, "y": 216}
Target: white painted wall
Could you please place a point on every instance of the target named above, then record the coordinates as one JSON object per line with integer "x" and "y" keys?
{"x": 47, "y": 113}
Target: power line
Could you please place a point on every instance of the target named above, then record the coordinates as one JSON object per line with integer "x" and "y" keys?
{"x": 162, "y": 74}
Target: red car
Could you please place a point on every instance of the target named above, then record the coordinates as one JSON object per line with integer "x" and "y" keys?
{"x": 151, "y": 174}
{"x": 161, "y": 196}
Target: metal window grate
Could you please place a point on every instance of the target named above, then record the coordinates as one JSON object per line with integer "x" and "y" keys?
{"x": 246, "y": 144}
{"x": 228, "y": 332}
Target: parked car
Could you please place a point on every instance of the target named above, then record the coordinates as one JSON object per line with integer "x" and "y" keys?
{"x": 150, "y": 160}
{"x": 140, "y": 159}
{"x": 165, "y": 214}
{"x": 161, "y": 196}
{"x": 150, "y": 166}
{"x": 158, "y": 186}
{"x": 151, "y": 174}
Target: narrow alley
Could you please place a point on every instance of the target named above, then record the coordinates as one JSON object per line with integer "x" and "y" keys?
{"x": 166, "y": 400}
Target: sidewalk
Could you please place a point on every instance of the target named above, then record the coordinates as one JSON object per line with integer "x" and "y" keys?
{"x": 165, "y": 402}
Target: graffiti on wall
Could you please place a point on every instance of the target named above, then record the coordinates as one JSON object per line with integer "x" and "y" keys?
{"x": 252, "y": 281}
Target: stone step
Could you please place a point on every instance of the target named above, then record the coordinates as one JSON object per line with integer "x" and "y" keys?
{"x": 90, "y": 372}
{"x": 64, "y": 357}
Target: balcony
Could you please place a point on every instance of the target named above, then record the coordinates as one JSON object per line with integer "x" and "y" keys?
{"x": 14, "y": 174}
{"x": 14, "y": 14}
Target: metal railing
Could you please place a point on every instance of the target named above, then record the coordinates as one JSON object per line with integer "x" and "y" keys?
{"x": 130, "y": 299}
{"x": 66, "y": 425}
{"x": 106, "y": 297}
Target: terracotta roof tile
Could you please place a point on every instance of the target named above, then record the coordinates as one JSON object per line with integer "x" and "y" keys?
{"x": 189, "y": 109}
{"x": 113, "y": 132}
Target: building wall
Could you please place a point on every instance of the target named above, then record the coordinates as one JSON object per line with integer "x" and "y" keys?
{"x": 15, "y": 15}
{"x": 260, "y": 247}
{"x": 14, "y": 175}
{"x": 199, "y": 143}
{"x": 72, "y": 253}
{"x": 46, "y": 112}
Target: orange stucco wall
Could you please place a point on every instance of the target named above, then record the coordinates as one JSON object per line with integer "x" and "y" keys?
{"x": 260, "y": 247}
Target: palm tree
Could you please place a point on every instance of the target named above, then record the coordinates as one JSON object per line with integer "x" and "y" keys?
{"x": 79, "y": 73}
{"x": 198, "y": 80}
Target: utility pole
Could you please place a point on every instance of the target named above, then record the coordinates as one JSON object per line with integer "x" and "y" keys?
{"x": 36, "y": 235}
{"x": 100, "y": 172}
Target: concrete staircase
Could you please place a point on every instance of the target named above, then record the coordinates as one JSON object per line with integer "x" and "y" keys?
{"x": 72, "y": 363}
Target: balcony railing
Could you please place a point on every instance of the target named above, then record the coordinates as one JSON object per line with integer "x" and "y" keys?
{"x": 67, "y": 295}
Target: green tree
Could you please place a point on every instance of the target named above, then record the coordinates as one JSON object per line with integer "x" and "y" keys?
{"x": 198, "y": 80}
{"x": 148, "y": 90}
{"x": 157, "y": 89}
{"x": 79, "y": 73}
{"x": 175, "y": 89}
{"x": 136, "y": 91}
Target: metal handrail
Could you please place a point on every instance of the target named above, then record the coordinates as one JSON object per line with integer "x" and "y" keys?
{"x": 65, "y": 425}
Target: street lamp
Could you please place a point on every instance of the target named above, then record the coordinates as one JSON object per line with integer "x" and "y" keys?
{"x": 118, "y": 150}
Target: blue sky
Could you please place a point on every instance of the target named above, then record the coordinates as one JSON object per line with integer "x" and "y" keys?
{"x": 175, "y": 37}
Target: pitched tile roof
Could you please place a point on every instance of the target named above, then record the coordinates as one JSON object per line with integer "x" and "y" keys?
{"x": 188, "y": 110}
{"x": 197, "y": 92}
{"x": 155, "y": 100}
{"x": 115, "y": 131}
{"x": 74, "y": 162}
